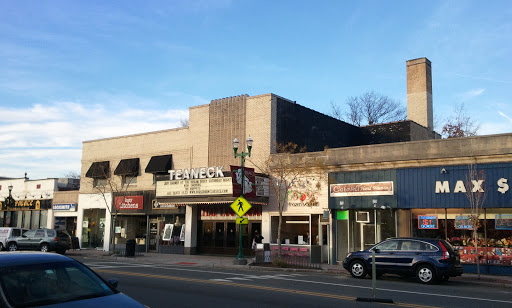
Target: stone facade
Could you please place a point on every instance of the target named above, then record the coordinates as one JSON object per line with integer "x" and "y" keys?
{"x": 419, "y": 92}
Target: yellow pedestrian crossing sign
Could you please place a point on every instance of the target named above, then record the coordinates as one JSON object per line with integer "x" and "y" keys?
{"x": 241, "y": 206}
{"x": 242, "y": 221}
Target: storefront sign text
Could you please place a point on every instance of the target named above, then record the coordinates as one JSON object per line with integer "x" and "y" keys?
{"x": 70, "y": 207}
{"x": 463, "y": 223}
{"x": 129, "y": 202}
{"x": 427, "y": 222}
{"x": 503, "y": 222}
{"x": 196, "y": 173}
{"x": 200, "y": 187}
{"x": 24, "y": 205}
{"x": 214, "y": 212}
{"x": 302, "y": 199}
{"x": 443, "y": 187}
{"x": 362, "y": 189}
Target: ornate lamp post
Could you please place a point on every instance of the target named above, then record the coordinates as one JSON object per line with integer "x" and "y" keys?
{"x": 9, "y": 201}
{"x": 240, "y": 258}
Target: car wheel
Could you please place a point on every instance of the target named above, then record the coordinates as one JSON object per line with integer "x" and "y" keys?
{"x": 13, "y": 247}
{"x": 358, "y": 269}
{"x": 44, "y": 248}
{"x": 426, "y": 274}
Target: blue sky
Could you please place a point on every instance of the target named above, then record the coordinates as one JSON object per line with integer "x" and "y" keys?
{"x": 72, "y": 71}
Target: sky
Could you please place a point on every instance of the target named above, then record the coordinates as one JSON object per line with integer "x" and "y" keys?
{"x": 72, "y": 71}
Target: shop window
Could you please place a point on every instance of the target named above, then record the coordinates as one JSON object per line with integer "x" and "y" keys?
{"x": 99, "y": 182}
{"x": 129, "y": 180}
{"x": 294, "y": 230}
{"x": 498, "y": 247}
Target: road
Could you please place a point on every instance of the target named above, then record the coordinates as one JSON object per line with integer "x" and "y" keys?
{"x": 184, "y": 285}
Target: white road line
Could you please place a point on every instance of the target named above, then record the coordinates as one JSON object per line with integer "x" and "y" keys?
{"x": 223, "y": 280}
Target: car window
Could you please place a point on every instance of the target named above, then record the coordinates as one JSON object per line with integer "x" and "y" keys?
{"x": 387, "y": 245}
{"x": 30, "y": 233}
{"x": 430, "y": 247}
{"x": 50, "y": 283}
{"x": 16, "y": 232}
{"x": 411, "y": 245}
{"x": 51, "y": 233}
{"x": 39, "y": 233}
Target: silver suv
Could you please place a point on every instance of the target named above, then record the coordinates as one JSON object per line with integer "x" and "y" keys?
{"x": 43, "y": 240}
{"x": 9, "y": 234}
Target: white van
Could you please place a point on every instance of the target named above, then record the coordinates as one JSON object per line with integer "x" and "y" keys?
{"x": 8, "y": 235}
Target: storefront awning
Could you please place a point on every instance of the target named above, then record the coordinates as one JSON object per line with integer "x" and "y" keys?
{"x": 99, "y": 170}
{"x": 159, "y": 164}
{"x": 128, "y": 167}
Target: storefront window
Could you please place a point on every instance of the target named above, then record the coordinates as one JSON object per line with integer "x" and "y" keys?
{"x": 130, "y": 227}
{"x": 294, "y": 230}
{"x": 34, "y": 224}
{"x": 429, "y": 223}
{"x": 499, "y": 236}
{"x": 44, "y": 219}
{"x": 93, "y": 228}
{"x": 171, "y": 230}
{"x": 26, "y": 219}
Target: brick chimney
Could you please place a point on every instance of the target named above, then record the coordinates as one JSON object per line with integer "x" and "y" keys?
{"x": 419, "y": 92}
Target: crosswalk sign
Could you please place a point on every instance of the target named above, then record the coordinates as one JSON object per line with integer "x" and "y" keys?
{"x": 242, "y": 221}
{"x": 241, "y": 206}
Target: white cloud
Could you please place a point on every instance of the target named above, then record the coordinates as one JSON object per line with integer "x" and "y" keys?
{"x": 471, "y": 94}
{"x": 46, "y": 140}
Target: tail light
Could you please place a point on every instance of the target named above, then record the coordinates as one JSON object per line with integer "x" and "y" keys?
{"x": 55, "y": 239}
{"x": 446, "y": 254}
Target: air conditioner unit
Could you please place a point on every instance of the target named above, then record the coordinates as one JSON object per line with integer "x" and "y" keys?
{"x": 363, "y": 217}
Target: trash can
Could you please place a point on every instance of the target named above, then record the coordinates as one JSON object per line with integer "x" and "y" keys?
{"x": 130, "y": 248}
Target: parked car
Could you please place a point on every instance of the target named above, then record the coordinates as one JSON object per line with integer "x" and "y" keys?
{"x": 9, "y": 234}
{"x": 41, "y": 239}
{"x": 73, "y": 239}
{"x": 430, "y": 260}
{"x": 33, "y": 279}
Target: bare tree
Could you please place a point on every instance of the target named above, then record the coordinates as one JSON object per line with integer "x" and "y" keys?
{"x": 109, "y": 186}
{"x": 72, "y": 175}
{"x": 285, "y": 172}
{"x": 370, "y": 108}
{"x": 476, "y": 194}
{"x": 183, "y": 123}
{"x": 460, "y": 124}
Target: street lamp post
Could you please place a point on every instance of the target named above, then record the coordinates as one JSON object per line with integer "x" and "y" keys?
{"x": 9, "y": 201}
{"x": 240, "y": 257}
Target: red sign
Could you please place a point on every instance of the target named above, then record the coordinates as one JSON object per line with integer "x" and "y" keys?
{"x": 129, "y": 203}
{"x": 250, "y": 179}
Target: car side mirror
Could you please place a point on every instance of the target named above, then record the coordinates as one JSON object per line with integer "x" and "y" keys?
{"x": 23, "y": 235}
{"x": 113, "y": 282}
{"x": 377, "y": 250}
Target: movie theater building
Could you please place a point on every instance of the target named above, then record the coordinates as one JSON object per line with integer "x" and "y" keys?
{"x": 173, "y": 175}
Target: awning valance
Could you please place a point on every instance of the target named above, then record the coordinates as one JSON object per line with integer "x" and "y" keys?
{"x": 128, "y": 167}
{"x": 157, "y": 164}
{"x": 99, "y": 170}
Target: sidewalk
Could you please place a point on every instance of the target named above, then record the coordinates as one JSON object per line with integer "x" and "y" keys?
{"x": 227, "y": 262}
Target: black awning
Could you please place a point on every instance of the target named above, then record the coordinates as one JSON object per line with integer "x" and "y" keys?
{"x": 160, "y": 163}
{"x": 99, "y": 170}
{"x": 128, "y": 167}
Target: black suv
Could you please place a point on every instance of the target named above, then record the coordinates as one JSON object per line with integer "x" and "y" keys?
{"x": 430, "y": 260}
{"x": 43, "y": 240}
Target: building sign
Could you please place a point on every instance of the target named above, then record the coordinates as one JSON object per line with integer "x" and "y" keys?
{"x": 463, "y": 223}
{"x": 249, "y": 182}
{"x": 297, "y": 198}
{"x": 69, "y": 207}
{"x": 262, "y": 186}
{"x": 26, "y": 205}
{"x": 362, "y": 189}
{"x": 164, "y": 205}
{"x": 224, "y": 212}
{"x": 129, "y": 202}
{"x": 503, "y": 222}
{"x": 196, "y": 173}
{"x": 428, "y": 222}
{"x": 197, "y": 187}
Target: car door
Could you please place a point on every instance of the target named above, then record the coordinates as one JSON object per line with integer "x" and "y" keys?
{"x": 24, "y": 241}
{"x": 385, "y": 255}
{"x": 409, "y": 251}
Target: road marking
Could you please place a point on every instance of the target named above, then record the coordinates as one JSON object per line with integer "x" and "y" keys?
{"x": 265, "y": 288}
